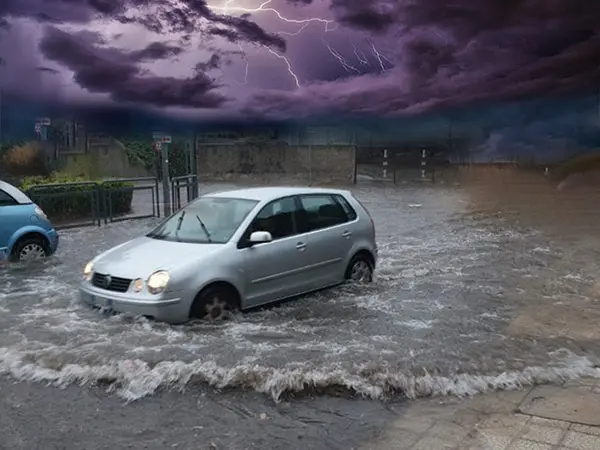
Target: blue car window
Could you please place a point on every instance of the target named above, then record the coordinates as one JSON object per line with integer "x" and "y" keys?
{"x": 6, "y": 200}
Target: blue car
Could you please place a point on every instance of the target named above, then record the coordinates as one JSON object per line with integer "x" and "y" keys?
{"x": 25, "y": 231}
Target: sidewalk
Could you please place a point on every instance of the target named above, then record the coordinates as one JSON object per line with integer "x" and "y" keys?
{"x": 540, "y": 418}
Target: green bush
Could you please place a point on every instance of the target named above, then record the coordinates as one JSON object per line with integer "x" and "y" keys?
{"x": 62, "y": 202}
{"x": 141, "y": 151}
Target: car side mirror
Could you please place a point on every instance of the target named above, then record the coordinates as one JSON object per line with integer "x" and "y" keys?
{"x": 260, "y": 237}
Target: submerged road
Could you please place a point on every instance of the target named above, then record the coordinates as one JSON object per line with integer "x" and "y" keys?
{"x": 468, "y": 297}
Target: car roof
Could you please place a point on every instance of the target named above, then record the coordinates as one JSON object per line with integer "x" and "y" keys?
{"x": 272, "y": 193}
{"x": 15, "y": 193}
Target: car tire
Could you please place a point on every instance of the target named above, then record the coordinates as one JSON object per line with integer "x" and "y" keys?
{"x": 29, "y": 248}
{"x": 360, "y": 269}
{"x": 214, "y": 303}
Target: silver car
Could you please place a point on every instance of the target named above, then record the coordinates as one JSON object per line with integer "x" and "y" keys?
{"x": 236, "y": 250}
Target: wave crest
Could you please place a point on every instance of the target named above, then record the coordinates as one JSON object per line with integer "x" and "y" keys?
{"x": 134, "y": 379}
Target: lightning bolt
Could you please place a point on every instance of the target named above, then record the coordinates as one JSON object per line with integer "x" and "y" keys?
{"x": 360, "y": 56}
{"x": 379, "y": 57}
{"x": 340, "y": 58}
{"x": 288, "y": 63}
{"x": 226, "y": 8}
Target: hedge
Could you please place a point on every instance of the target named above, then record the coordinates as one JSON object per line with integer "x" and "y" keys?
{"x": 76, "y": 203}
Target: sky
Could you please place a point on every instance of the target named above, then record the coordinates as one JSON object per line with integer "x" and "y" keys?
{"x": 292, "y": 59}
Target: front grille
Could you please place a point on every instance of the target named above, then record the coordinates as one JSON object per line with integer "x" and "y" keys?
{"x": 115, "y": 284}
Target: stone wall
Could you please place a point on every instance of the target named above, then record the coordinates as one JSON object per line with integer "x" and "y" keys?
{"x": 321, "y": 164}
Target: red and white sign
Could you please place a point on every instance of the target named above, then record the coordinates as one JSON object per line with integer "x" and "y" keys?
{"x": 157, "y": 146}
{"x": 38, "y": 128}
{"x": 166, "y": 139}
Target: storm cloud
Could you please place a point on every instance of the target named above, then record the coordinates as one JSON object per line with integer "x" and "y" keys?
{"x": 390, "y": 57}
{"x": 115, "y": 72}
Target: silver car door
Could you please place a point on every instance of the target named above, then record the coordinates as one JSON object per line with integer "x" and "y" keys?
{"x": 329, "y": 230}
{"x": 275, "y": 270}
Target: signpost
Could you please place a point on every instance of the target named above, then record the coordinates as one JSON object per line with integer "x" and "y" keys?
{"x": 161, "y": 144}
{"x": 40, "y": 127}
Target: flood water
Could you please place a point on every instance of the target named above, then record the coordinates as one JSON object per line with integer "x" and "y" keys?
{"x": 454, "y": 310}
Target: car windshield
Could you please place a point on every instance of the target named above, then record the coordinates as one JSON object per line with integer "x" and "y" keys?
{"x": 208, "y": 220}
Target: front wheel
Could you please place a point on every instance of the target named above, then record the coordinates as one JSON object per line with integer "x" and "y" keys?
{"x": 360, "y": 270}
{"x": 29, "y": 249}
{"x": 214, "y": 303}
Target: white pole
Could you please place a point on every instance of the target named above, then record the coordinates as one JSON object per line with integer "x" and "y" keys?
{"x": 385, "y": 163}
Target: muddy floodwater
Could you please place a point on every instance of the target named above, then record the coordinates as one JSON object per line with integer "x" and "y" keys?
{"x": 461, "y": 304}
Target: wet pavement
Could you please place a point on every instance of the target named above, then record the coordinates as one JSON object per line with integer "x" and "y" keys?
{"x": 457, "y": 289}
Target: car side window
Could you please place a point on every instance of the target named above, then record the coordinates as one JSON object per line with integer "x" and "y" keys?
{"x": 277, "y": 218}
{"x": 348, "y": 209}
{"x": 321, "y": 211}
{"x": 6, "y": 200}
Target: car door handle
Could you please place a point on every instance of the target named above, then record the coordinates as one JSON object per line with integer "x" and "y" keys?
{"x": 300, "y": 246}
{"x": 346, "y": 234}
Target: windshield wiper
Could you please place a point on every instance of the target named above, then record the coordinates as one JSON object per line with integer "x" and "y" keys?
{"x": 204, "y": 228}
{"x": 179, "y": 222}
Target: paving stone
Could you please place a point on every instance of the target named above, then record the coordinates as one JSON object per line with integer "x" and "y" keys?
{"x": 523, "y": 444}
{"x": 512, "y": 423}
{"x": 581, "y": 441}
{"x": 549, "y": 423}
{"x": 542, "y": 434}
{"x": 488, "y": 440}
{"x": 450, "y": 432}
{"x": 568, "y": 404}
{"x": 433, "y": 443}
{"x": 585, "y": 429}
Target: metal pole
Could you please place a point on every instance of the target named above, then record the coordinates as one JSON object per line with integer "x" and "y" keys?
{"x": 164, "y": 150}
{"x": 1, "y": 116}
{"x": 423, "y": 162}
{"x": 195, "y": 164}
{"x": 310, "y": 163}
{"x": 385, "y": 163}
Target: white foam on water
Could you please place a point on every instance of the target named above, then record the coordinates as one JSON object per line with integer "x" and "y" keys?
{"x": 133, "y": 379}
{"x": 417, "y": 324}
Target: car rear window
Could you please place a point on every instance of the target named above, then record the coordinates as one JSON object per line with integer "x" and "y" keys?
{"x": 6, "y": 200}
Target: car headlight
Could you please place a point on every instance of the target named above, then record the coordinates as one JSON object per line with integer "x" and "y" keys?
{"x": 157, "y": 282}
{"x": 88, "y": 271}
{"x": 138, "y": 285}
{"x": 40, "y": 212}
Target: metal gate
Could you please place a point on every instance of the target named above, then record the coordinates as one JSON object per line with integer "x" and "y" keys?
{"x": 176, "y": 167}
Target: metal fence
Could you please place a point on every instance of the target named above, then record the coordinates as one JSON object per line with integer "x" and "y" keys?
{"x": 187, "y": 182}
{"x": 109, "y": 188}
{"x": 90, "y": 203}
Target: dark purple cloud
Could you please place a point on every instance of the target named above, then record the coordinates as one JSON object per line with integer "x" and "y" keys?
{"x": 115, "y": 72}
{"x": 434, "y": 53}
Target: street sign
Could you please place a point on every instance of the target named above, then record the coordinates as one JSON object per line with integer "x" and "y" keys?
{"x": 38, "y": 128}
{"x": 157, "y": 146}
{"x": 46, "y": 121}
{"x": 162, "y": 137}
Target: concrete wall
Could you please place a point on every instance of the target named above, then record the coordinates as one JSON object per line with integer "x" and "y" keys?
{"x": 323, "y": 164}
{"x": 105, "y": 157}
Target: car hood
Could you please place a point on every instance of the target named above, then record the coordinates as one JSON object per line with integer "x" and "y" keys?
{"x": 142, "y": 256}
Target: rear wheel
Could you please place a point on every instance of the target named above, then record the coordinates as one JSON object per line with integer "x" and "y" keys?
{"x": 29, "y": 249}
{"x": 215, "y": 303}
{"x": 360, "y": 269}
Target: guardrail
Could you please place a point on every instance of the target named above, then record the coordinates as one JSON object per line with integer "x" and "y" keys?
{"x": 189, "y": 183}
{"x": 91, "y": 203}
{"x": 108, "y": 190}
{"x": 68, "y": 201}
